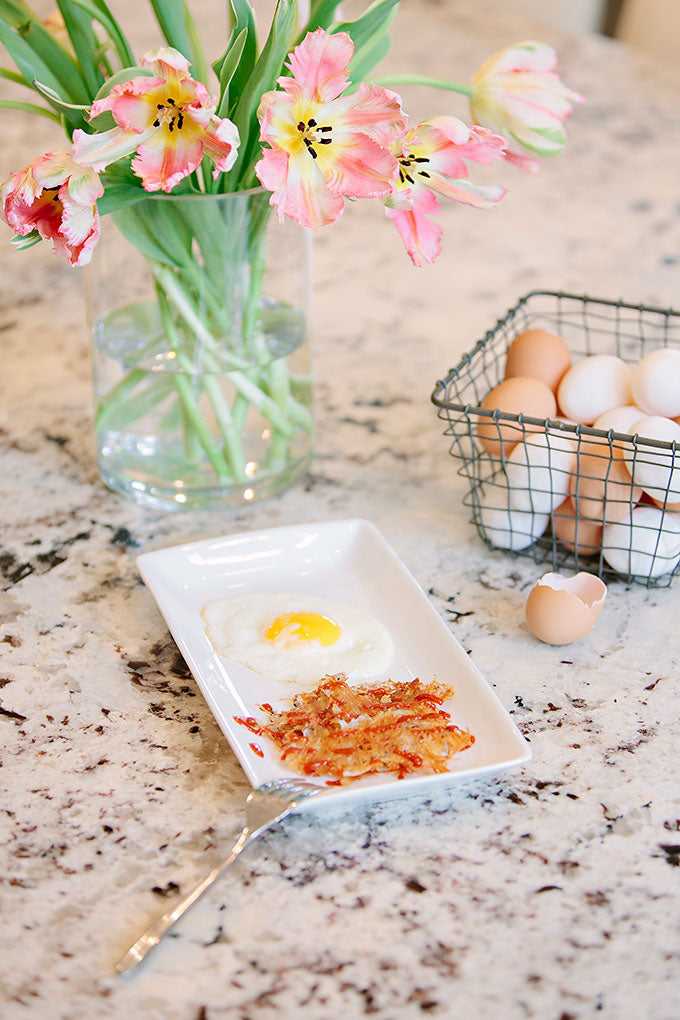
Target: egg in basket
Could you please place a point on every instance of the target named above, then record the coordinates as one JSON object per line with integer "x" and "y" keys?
{"x": 566, "y": 420}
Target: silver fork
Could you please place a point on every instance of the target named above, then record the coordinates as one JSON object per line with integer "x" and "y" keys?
{"x": 265, "y": 806}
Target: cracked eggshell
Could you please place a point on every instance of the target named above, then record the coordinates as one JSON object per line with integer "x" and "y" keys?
{"x": 560, "y": 609}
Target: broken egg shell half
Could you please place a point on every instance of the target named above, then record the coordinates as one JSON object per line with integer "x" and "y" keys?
{"x": 560, "y": 609}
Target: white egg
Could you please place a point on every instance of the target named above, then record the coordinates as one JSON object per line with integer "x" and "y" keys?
{"x": 655, "y": 469}
{"x": 619, "y": 419}
{"x": 300, "y": 638}
{"x": 502, "y": 524}
{"x": 593, "y": 386}
{"x": 645, "y": 544}
{"x": 538, "y": 471}
{"x": 656, "y": 382}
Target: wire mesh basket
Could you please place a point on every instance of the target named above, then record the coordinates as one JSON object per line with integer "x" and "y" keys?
{"x": 559, "y": 492}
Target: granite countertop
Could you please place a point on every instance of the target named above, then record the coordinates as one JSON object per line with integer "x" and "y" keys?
{"x": 548, "y": 892}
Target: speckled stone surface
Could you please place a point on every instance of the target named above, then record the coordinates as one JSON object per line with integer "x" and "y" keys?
{"x": 550, "y": 892}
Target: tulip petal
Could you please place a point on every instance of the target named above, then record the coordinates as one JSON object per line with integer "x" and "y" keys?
{"x": 165, "y": 60}
{"x": 57, "y": 198}
{"x": 99, "y": 150}
{"x": 478, "y": 195}
{"x": 220, "y": 142}
{"x": 517, "y": 93}
{"x": 357, "y": 167}
{"x": 373, "y": 110}
{"x": 324, "y": 146}
{"x": 163, "y": 162}
{"x": 421, "y": 235}
{"x": 319, "y": 65}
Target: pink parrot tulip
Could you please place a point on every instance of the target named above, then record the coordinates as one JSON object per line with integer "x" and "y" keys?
{"x": 432, "y": 158}
{"x": 323, "y": 146}
{"x": 57, "y": 197}
{"x": 517, "y": 93}
{"x": 168, "y": 121}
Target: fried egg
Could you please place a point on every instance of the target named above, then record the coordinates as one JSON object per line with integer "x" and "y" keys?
{"x": 298, "y": 638}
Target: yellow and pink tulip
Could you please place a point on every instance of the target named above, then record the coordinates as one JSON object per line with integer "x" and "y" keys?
{"x": 432, "y": 158}
{"x": 324, "y": 146}
{"x": 167, "y": 120}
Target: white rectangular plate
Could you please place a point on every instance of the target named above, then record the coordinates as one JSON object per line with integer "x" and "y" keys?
{"x": 346, "y": 561}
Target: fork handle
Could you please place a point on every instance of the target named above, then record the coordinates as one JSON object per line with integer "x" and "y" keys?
{"x": 155, "y": 932}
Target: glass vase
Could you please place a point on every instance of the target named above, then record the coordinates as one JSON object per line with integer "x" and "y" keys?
{"x": 198, "y": 307}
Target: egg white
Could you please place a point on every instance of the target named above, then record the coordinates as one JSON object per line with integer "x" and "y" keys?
{"x": 236, "y": 627}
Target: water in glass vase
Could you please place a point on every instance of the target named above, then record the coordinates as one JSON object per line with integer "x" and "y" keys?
{"x": 198, "y": 307}
{"x": 201, "y": 424}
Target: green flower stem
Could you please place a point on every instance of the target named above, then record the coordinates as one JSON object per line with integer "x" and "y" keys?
{"x": 232, "y": 442}
{"x": 232, "y": 439}
{"x": 206, "y": 293}
{"x": 298, "y": 413}
{"x": 194, "y": 416}
{"x": 234, "y": 448}
{"x": 239, "y": 412}
{"x": 265, "y": 405}
{"x": 171, "y": 285}
{"x": 250, "y": 390}
{"x": 279, "y": 387}
{"x": 40, "y": 111}
{"x": 173, "y": 417}
{"x": 421, "y": 79}
{"x": 14, "y": 76}
{"x": 119, "y": 393}
{"x": 192, "y": 443}
{"x": 128, "y": 410}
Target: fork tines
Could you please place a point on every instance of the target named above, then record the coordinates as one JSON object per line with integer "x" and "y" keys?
{"x": 290, "y": 787}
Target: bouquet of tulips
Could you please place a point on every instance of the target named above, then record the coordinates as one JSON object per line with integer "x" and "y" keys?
{"x": 297, "y": 116}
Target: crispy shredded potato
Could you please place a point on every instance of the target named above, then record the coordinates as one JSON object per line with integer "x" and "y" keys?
{"x": 350, "y": 732}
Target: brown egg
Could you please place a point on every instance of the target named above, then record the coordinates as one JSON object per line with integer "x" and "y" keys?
{"x": 518, "y": 395}
{"x": 538, "y": 355}
{"x": 560, "y": 609}
{"x": 675, "y": 507}
{"x": 601, "y": 486}
{"x": 580, "y": 534}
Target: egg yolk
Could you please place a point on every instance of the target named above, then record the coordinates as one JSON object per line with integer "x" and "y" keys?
{"x": 299, "y": 628}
